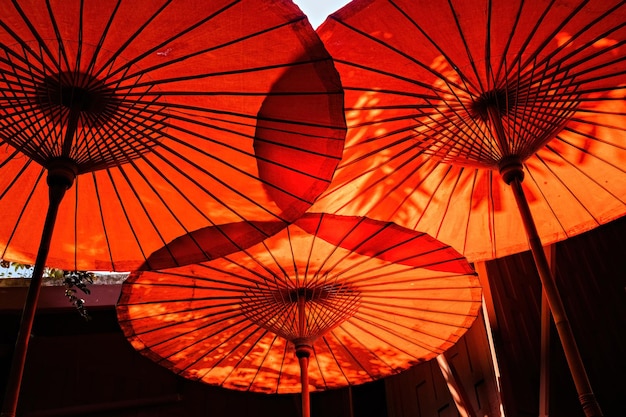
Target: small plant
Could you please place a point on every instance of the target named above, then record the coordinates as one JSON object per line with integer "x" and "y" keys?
{"x": 72, "y": 280}
{"x": 80, "y": 280}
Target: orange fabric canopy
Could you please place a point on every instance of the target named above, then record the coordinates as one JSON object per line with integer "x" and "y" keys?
{"x": 479, "y": 85}
{"x": 175, "y": 115}
{"x": 368, "y": 298}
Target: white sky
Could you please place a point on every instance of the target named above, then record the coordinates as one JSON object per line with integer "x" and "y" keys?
{"x": 317, "y": 10}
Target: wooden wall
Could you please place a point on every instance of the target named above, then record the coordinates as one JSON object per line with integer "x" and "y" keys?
{"x": 422, "y": 390}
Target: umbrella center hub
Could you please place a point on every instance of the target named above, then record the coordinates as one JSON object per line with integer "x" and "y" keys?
{"x": 499, "y": 100}
{"x": 303, "y": 313}
{"x": 95, "y": 123}
{"x": 79, "y": 92}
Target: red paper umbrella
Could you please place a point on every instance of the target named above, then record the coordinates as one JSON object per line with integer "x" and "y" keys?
{"x": 328, "y": 302}
{"x": 153, "y": 119}
{"x": 449, "y": 103}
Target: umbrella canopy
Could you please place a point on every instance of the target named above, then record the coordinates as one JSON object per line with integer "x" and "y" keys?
{"x": 362, "y": 299}
{"x": 450, "y": 102}
{"x": 160, "y": 117}
{"x": 416, "y": 94}
{"x": 167, "y": 116}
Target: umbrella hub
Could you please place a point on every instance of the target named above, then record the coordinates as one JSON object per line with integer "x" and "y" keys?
{"x": 61, "y": 171}
{"x": 301, "y": 313}
{"x": 304, "y": 348}
{"x": 500, "y": 100}
{"x": 81, "y": 92}
{"x": 511, "y": 168}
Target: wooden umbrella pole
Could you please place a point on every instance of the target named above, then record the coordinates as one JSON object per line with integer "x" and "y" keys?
{"x": 577, "y": 369}
{"x": 58, "y": 182}
{"x": 303, "y": 353}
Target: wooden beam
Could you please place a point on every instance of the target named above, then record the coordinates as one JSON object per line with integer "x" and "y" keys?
{"x": 544, "y": 358}
{"x": 459, "y": 395}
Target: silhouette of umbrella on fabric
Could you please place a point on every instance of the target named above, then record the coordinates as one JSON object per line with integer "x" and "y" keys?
{"x": 352, "y": 299}
{"x": 153, "y": 119}
{"x": 449, "y": 102}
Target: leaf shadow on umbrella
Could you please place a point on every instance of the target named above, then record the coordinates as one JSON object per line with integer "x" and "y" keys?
{"x": 388, "y": 175}
{"x": 362, "y": 299}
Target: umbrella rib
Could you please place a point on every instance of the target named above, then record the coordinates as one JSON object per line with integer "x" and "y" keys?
{"x": 197, "y": 209}
{"x": 138, "y": 197}
{"x": 335, "y": 250}
{"x": 588, "y": 44}
{"x": 260, "y": 282}
{"x": 223, "y": 162}
{"x": 126, "y": 214}
{"x": 109, "y": 63}
{"x": 23, "y": 209}
{"x": 222, "y": 182}
{"x": 447, "y": 204}
{"x": 588, "y": 154}
{"x": 349, "y": 352}
{"x": 437, "y": 47}
{"x": 366, "y": 318}
{"x": 393, "y": 75}
{"x": 208, "y": 50}
{"x": 223, "y": 316}
{"x": 549, "y": 38}
{"x": 474, "y": 179}
{"x": 576, "y": 167}
{"x": 166, "y": 302}
{"x": 547, "y": 202}
{"x": 548, "y": 115}
{"x": 381, "y": 307}
{"x": 223, "y": 357}
{"x": 164, "y": 43}
{"x": 40, "y": 42}
{"x": 255, "y": 118}
{"x": 216, "y": 347}
{"x": 399, "y": 93}
{"x": 356, "y": 340}
{"x": 517, "y": 61}
{"x": 79, "y": 48}
{"x": 345, "y": 256}
{"x": 373, "y": 185}
{"x": 431, "y": 197}
{"x": 265, "y": 358}
{"x": 366, "y": 276}
{"x": 243, "y": 356}
{"x": 400, "y": 184}
{"x": 316, "y": 360}
{"x": 241, "y": 71}
{"x": 272, "y": 277}
{"x": 62, "y": 52}
{"x": 491, "y": 200}
{"x": 355, "y": 323}
{"x": 574, "y": 65}
{"x": 205, "y": 277}
{"x": 396, "y": 51}
{"x": 468, "y": 52}
{"x": 503, "y": 67}
{"x": 248, "y": 336}
{"x": 35, "y": 118}
{"x": 281, "y": 367}
{"x": 100, "y": 210}
{"x": 621, "y": 130}
{"x": 310, "y": 251}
